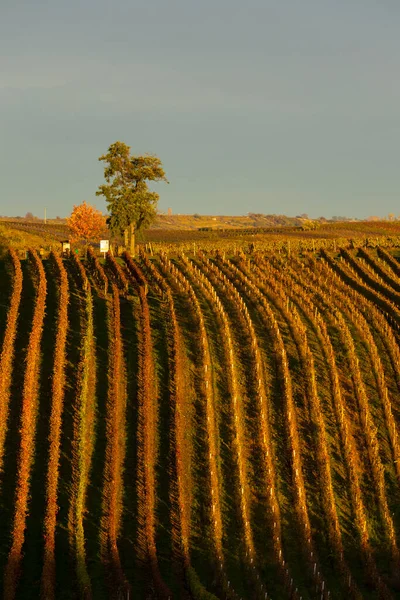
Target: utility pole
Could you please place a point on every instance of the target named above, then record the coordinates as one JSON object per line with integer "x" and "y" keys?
{"x": 45, "y": 216}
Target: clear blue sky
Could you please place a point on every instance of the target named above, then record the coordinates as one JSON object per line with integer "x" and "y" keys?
{"x": 272, "y": 106}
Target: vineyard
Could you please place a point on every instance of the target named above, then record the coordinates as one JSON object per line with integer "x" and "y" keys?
{"x": 201, "y": 424}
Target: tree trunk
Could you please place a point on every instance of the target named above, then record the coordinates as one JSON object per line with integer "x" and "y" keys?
{"x": 126, "y": 238}
{"x": 132, "y": 247}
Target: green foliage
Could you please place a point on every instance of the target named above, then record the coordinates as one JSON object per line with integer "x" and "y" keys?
{"x": 310, "y": 225}
{"x": 197, "y": 589}
{"x": 128, "y": 197}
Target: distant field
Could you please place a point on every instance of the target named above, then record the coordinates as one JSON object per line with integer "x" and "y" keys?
{"x": 178, "y": 233}
{"x": 192, "y": 221}
{"x": 22, "y": 236}
{"x": 223, "y": 222}
{"x": 204, "y": 426}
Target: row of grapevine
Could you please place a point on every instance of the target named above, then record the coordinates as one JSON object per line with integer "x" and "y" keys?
{"x": 354, "y": 281}
{"x": 258, "y": 375}
{"x": 115, "y": 451}
{"x": 280, "y": 298}
{"x": 58, "y": 382}
{"x": 266, "y": 295}
{"x": 29, "y": 409}
{"x": 279, "y": 291}
{"x": 183, "y": 283}
{"x": 117, "y": 272}
{"x": 208, "y": 394}
{"x": 181, "y": 491}
{"x": 324, "y": 302}
{"x": 183, "y": 278}
{"x": 272, "y": 244}
{"x": 207, "y": 283}
{"x": 369, "y": 432}
{"x": 97, "y": 270}
{"x": 379, "y": 270}
{"x": 7, "y": 353}
{"x": 370, "y": 278}
{"x": 370, "y": 429}
{"x": 300, "y": 295}
{"x": 360, "y": 322}
{"x": 237, "y": 411}
{"x": 147, "y": 447}
{"x": 389, "y": 260}
{"x": 84, "y": 411}
{"x": 371, "y": 313}
{"x": 79, "y": 272}
{"x": 212, "y": 427}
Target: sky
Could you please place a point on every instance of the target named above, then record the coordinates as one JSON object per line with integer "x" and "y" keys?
{"x": 266, "y": 106}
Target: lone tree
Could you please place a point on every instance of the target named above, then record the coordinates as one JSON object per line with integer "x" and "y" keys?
{"x": 132, "y": 206}
{"x": 86, "y": 223}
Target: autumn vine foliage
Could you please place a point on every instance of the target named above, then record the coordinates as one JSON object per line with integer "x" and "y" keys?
{"x": 389, "y": 260}
{"x": 112, "y": 495}
{"x": 379, "y": 269}
{"x": 7, "y": 353}
{"x": 57, "y": 401}
{"x": 279, "y": 281}
{"x": 79, "y": 271}
{"x": 83, "y": 436}
{"x": 298, "y": 332}
{"x": 117, "y": 272}
{"x": 146, "y": 435}
{"x": 181, "y": 480}
{"x": 367, "y": 422}
{"x": 237, "y": 289}
{"x": 147, "y": 429}
{"x": 243, "y": 493}
{"x": 213, "y": 424}
{"x": 299, "y": 489}
{"x": 347, "y": 437}
{"x": 206, "y": 379}
{"x": 97, "y": 271}
{"x": 29, "y": 410}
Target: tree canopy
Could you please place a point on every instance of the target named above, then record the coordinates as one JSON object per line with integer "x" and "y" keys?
{"x": 129, "y": 200}
{"x": 86, "y": 223}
